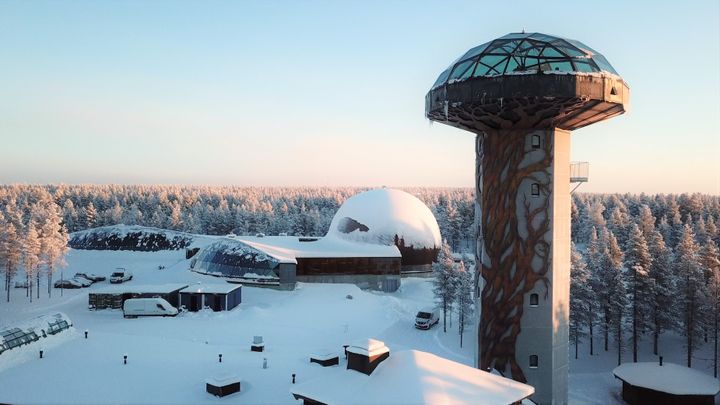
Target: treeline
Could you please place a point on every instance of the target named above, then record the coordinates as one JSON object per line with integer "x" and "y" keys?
{"x": 643, "y": 265}
{"x": 222, "y": 210}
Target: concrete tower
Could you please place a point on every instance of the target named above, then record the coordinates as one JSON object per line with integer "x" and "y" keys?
{"x": 521, "y": 95}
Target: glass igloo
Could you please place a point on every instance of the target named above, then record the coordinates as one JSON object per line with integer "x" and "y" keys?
{"x": 520, "y": 53}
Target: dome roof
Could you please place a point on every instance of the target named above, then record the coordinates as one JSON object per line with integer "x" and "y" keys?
{"x": 519, "y": 53}
{"x": 376, "y": 216}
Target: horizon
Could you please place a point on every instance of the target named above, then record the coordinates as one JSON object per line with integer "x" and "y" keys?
{"x": 321, "y": 94}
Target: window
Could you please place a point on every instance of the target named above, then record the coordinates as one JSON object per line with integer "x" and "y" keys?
{"x": 533, "y": 361}
{"x": 535, "y": 141}
{"x": 534, "y": 299}
{"x": 535, "y": 190}
{"x": 160, "y": 306}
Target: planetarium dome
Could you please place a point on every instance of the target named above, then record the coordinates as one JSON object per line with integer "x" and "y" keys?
{"x": 387, "y": 216}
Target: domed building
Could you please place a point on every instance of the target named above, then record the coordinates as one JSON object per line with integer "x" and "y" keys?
{"x": 391, "y": 217}
{"x": 374, "y": 237}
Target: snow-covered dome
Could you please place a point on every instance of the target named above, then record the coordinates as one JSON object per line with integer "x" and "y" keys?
{"x": 377, "y": 216}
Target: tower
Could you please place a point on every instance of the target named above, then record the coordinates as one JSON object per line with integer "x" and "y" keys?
{"x": 521, "y": 95}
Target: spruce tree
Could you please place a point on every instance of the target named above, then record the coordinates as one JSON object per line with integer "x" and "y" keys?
{"x": 463, "y": 298}
{"x": 692, "y": 288}
{"x": 581, "y": 299}
{"x": 638, "y": 263}
{"x": 710, "y": 262}
{"x": 663, "y": 311}
{"x": 445, "y": 280}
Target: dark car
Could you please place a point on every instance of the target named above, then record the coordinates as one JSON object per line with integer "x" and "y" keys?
{"x": 67, "y": 284}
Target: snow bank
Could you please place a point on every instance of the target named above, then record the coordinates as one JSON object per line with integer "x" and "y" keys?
{"x": 376, "y": 216}
{"x": 124, "y": 237}
{"x": 670, "y": 378}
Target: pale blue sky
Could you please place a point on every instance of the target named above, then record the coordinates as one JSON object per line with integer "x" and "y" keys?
{"x": 329, "y": 92}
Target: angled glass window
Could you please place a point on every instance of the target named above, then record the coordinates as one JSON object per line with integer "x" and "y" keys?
{"x": 525, "y": 52}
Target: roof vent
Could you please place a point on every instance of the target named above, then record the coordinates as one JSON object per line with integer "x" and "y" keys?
{"x": 613, "y": 91}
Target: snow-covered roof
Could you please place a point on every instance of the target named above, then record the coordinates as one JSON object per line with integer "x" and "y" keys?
{"x": 216, "y": 288}
{"x": 670, "y": 378}
{"x": 285, "y": 249}
{"x": 368, "y": 347}
{"x": 139, "y": 288}
{"x": 376, "y": 216}
{"x": 415, "y": 377}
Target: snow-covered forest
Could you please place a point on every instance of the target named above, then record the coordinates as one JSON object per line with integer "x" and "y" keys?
{"x": 641, "y": 264}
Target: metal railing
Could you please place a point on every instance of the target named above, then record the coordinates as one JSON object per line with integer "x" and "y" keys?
{"x": 579, "y": 172}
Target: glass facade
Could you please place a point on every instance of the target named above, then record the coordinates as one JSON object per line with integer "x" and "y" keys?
{"x": 525, "y": 52}
{"x": 234, "y": 259}
{"x": 348, "y": 266}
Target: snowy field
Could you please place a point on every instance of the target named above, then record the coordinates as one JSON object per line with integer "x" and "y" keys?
{"x": 169, "y": 358}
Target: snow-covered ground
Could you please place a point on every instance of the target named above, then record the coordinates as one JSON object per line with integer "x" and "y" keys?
{"x": 169, "y": 358}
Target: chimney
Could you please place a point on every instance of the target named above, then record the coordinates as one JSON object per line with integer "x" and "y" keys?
{"x": 365, "y": 355}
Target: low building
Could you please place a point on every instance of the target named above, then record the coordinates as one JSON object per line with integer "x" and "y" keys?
{"x": 413, "y": 377}
{"x": 114, "y": 296}
{"x": 652, "y": 383}
{"x": 374, "y": 238}
{"x": 365, "y": 355}
{"x": 218, "y": 297}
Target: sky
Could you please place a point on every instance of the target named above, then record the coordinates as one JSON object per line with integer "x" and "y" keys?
{"x": 330, "y": 93}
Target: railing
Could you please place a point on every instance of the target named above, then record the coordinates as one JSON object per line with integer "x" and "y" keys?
{"x": 579, "y": 172}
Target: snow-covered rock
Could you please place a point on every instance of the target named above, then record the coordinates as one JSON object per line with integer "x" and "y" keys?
{"x": 129, "y": 237}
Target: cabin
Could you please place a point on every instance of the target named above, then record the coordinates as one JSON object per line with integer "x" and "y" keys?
{"x": 218, "y": 297}
{"x": 658, "y": 383}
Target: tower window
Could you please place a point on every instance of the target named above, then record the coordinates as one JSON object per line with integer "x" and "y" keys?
{"x": 535, "y": 190}
{"x": 534, "y": 361}
{"x": 534, "y": 300}
{"x": 535, "y": 141}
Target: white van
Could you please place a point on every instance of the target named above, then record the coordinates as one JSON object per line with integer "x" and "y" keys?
{"x": 134, "y": 307}
{"x": 427, "y": 317}
{"x": 120, "y": 275}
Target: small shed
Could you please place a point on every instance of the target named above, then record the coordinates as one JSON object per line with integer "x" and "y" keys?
{"x": 651, "y": 383}
{"x": 114, "y": 296}
{"x": 218, "y": 297}
{"x": 364, "y": 355}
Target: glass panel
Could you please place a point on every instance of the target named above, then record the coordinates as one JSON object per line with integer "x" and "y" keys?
{"x": 482, "y": 70}
{"x": 475, "y": 51}
{"x": 460, "y": 69}
{"x": 515, "y": 35}
{"x": 512, "y": 66}
{"x": 552, "y": 52}
{"x": 584, "y": 66}
{"x": 561, "y": 66}
{"x": 542, "y": 37}
{"x": 603, "y": 64}
{"x": 442, "y": 78}
{"x": 468, "y": 72}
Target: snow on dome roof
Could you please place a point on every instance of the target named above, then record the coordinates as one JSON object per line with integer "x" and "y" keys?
{"x": 376, "y": 216}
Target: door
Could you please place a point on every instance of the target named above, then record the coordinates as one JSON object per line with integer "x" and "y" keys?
{"x": 194, "y": 302}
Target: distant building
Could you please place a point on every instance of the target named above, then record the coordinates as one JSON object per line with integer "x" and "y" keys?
{"x": 651, "y": 383}
{"x": 218, "y": 297}
{"x": 373, "y": 238}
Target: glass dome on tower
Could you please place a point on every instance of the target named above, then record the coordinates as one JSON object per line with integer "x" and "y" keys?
{"x": 520, "y": 53}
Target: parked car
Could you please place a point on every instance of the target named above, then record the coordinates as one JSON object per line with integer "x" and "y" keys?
{"x": 71, "y": 283}
{"x": 120, "y": 275}
{"x": 134, "y": 307}
{"x": 83, "y": 281}
{"x": 427, "y": 317}
{"x": 91, "y": 276}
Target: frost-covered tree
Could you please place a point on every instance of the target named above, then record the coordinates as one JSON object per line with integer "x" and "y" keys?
{"x": 663, "y": 312}
{"x": 463, "y": 298}
{"x": 614, "y": 294}
{"x": 709, "y": 257}
{"x": 595, "y": 250}
{"x": 646, "y": 221}
{"x": 10, "y": 251}
{"x": 444, "y": 280}
{"x": 54, "y": 240}
{"x": 91, "y": 216}
{"x": 691, "y": 284}
{"x": 639, "y": 283}
{"x": 581, "y": 297}
{"x": 31, "y": 257}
